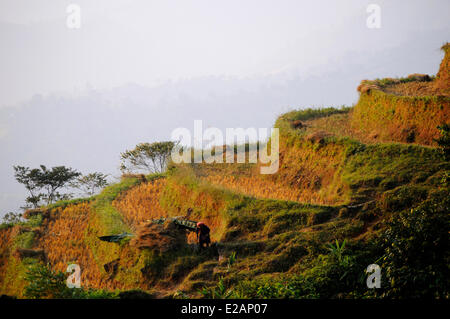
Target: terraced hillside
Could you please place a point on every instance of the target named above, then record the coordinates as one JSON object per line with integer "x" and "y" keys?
{"x": 355, "y": 186}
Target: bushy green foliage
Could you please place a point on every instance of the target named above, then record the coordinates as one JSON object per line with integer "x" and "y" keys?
{"x": 43, "y": 283}
{"x": 417, "y": 245}
{"x": 338, "y": 251}
{"x": 323, "y": 281}
{"x": 220, "y": 291}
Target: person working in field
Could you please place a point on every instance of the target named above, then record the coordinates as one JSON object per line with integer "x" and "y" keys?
{"x": 203, "y": 235}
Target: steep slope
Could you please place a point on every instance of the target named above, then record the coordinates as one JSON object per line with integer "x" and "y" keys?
{"x": 345, "y": 177}
{"x": 322, "y": 167}
{"x": 443, "y": 76}
{"x": 405, "y": 110}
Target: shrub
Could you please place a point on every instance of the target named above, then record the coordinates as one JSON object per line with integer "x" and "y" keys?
{"x": 45, "y": 283}
{"x": 220, "y": 291}
{"x": 417, "y": 246}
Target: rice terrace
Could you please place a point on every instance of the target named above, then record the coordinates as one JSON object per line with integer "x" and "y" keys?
{"x": 328, "y": 202}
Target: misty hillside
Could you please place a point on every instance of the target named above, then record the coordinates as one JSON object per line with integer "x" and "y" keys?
{"x": 356, "y": 186}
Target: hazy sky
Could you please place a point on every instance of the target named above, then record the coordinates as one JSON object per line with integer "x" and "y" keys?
{"x": 136, "y": 70}
{"x": 148, "y": 41}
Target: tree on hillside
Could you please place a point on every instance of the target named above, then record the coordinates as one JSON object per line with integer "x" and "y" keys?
{"x": 417, "y": 251}
{"x": 31, "y": 179}
{"x": 44, "y": 184}
{"x": 152, "y": 158}
{"x": 91, "y": 183}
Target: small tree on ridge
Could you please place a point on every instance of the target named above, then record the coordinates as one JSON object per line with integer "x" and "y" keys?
{"x": 152, "y": 158}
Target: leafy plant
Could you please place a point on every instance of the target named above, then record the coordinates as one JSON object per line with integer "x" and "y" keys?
{"x": 231, "y": 259}
{"x": 416, "y": 260}
{"x": 44, "y": 283}
{"x": 220, "y": 291}
{"x": 338, "y": 251}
